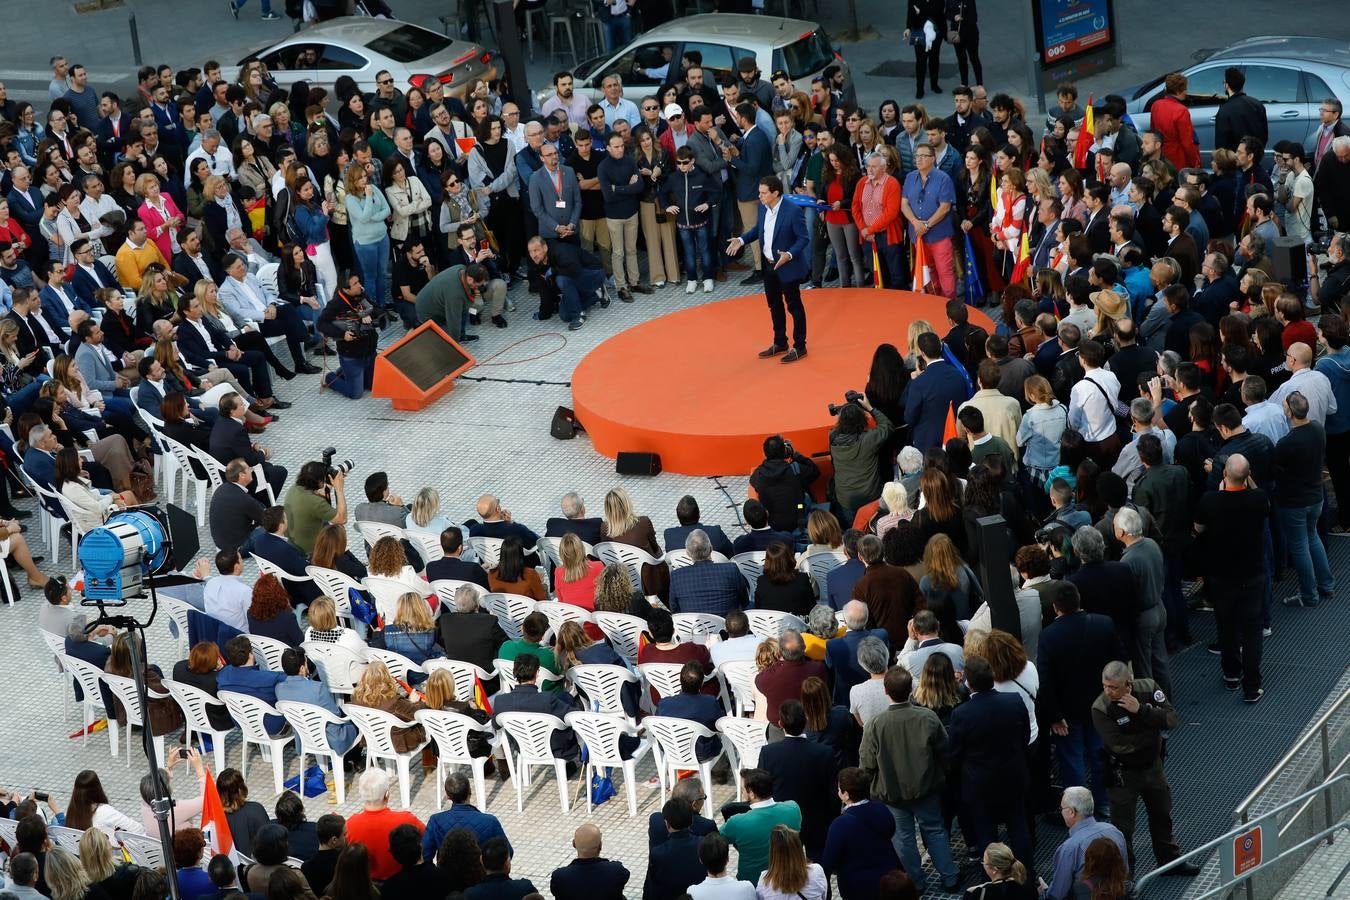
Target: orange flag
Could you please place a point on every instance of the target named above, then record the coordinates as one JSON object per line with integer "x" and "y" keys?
{"x": 876, "y": 266}
{"x": 466, "y": 144}
{"x": 949, "y": 430}
{"x": 215, "y": 827}
{"x": 921, "y": 273}
{"x": 1085, "y": 138}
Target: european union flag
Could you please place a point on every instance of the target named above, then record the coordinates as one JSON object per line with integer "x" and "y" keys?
{"x": 974, "y": 288}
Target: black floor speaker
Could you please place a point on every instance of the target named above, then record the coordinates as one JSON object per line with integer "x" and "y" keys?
{"x": 638, "y": 464}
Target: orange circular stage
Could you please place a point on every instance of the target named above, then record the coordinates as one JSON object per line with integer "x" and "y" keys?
{"x": 690, "y": 387}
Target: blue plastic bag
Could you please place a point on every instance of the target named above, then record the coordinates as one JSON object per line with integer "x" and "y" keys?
{"x": 315, "y": 783}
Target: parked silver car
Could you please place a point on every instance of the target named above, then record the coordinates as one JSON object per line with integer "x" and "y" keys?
{"x": 799, "y": 47}
{"x": 1290, "y": 75}
{"x": 360, "y": 47}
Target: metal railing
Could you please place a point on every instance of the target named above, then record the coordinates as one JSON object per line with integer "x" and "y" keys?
{"x": 1325, "y": 834}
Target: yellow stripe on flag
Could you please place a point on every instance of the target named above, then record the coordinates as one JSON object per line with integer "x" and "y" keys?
{"x": 876, "y": 266}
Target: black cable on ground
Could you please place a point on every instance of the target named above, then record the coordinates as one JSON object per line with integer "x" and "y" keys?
{"x": 731, "y": 501}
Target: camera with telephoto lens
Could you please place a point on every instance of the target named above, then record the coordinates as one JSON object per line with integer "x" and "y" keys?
{"x": 343, "y": 466}
{"x": 849, "y": 397}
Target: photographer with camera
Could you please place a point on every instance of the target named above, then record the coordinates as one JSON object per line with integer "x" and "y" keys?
{"x": 854, "y": 449}
{"x": 315, "y": 500}
{"x": 782, "y": 482}
{"x": 349, "y": 319}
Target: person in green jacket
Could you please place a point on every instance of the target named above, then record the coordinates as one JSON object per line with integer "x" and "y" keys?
{"x": 446, "y": 299}
{"x": 749, "y": 831}
{"x": 853, "y": 450}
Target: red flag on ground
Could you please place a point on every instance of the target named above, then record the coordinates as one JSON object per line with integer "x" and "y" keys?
{"x": 215, "y": 827}
{"x": 1085, "y": 138}
{"x": 949, "y": 430}
{"x": 480, "y": 696}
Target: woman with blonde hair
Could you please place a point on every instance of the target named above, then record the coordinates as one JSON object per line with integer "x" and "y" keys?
{"x": 948, "y": 580}
{"x": 1007, "y": 876}
{"x": 790, "y": 875}
{"x": 155, "y": 299}
{"x": 1042, "y": 426}
{"x": 622, "y": 526}
{"x": 325, "y": 628}
{"x": 160, "y": 214}
{"x": 247, "y": 336}
{"x": 425, "y": 515}
{"x": 66, "y": 878}
{"x": 823, "y": 530}
{"x": 896, "y": 500}
{"x": 110, "y": 873}
{"x": 413, "y": 632}
{"x": 974, "y": 643}
{"x": 377, "y": 689}
{"x": 766, "y": 654}
{"x": 577, "y": 576}
{"x": 439, "y": 694}
{"x": 916, "y": 328}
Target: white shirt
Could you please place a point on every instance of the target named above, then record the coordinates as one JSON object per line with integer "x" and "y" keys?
{"x": 227, "y": 598}
{"x": 766, "y": 239}
{"x": 200, "y": 262}
{"x": 60, "y": 291}
{"x": 93, "y": 273}
{"x": 1090, "y": 413}
{"x": 741, "y": 648}
{"x": 93, "y": 210}
{"x": 202, "y": 330}
{"x": 517, "y": 137}
{"x": 52, "y": 336}
{"x": 1313, "y": 385}
{"x": 157, "y": 385}
{"x": 728, "y": 887}
{"x": 1266, "y": 418}
{"x": 219, "y": 163}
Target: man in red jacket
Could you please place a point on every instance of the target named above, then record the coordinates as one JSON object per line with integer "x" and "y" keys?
{"x": 1171, "y": 117}
{"x": 876, "y": 212}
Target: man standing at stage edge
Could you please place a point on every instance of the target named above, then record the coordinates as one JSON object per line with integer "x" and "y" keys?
{"x": 781, "y": 230}
{"x": 927, "y": 201}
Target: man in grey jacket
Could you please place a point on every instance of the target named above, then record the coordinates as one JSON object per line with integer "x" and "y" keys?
{"x": 555, "y": 197}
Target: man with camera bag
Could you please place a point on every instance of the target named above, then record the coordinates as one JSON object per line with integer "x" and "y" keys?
{"x": 447, "y": 297}
{"x": 349, "y": 320}
{"x": 782, "y": 481}
{"x": 315, "y": 499}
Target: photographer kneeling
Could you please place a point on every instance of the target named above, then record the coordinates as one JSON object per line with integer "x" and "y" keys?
{"x": 316, "y": 499}
{"x": 854, "y": 449}
{"x": 349, "y": 318}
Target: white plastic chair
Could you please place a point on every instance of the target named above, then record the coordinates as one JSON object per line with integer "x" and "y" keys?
{"x": 692, "y": 626}
{"x": 377, "y": 727}
{"x": 183, "y": 457}
{"x": 310, "y": 723}
{"x": 506, "y": 675}
{"x": 743, "y": 739}
{"x": 339, "y": 667}
{"x": 446, "y": 588}
{"x": 124, "y": 689}
{"x": 373, "y": 531}
{"x": 510, "y": 610}
{"x": 267, "y": 567}
{"x": 57, "y": 644}
{"x": 770, "y": 623}
{"x": 488, "y": 550}
{"x": 623, "y": 631}
{"x": 166, "y": 464}
{"x": 90, "y": 678}
{"x": 48, "y": 520}
{"x": 144, "y": 851}
{"x": 75, "y": 531}
{"x": 463, "y": 674}
{"x": 195, "y": 704}
{"x": 428, "y": 545}
{"x": 450, "y": 731}
{"x": 335, "y": 585}
{"x": 9, "y": 588}
{"x": 662, "y": 677}
{"x": 603, "y": 685}
{"x": 528, "y": 746}
{"x": 678, "y": 559}
{"x": 600, "y": 732}
{"x": 68, "y": 839}
{"x": 177, "y": 611}
{"x": 751, "y": 565}
{"x": 386, "y": 593}
{"x": 675, "y": 740}
{"x": 819, "y": 566}
{"x": 267, "y": 652}
{"x": 630, "y": 557}
{"x": 559, "y": 612}
{"x": 398, "y": 665}
{"x": 249, "y": 713}
{"x": 739, "y": 675}
{"x": 9, "y": 832}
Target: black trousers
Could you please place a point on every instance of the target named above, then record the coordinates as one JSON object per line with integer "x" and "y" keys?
{"x": 1149, "y": 785}
{"x": 968, "y": 56}
{"x": 288, "y": 324}
{"x": 927, "y": 59}
{"x": 1237, "y": 618}
{"x": 251, "y": 371}
{"x": 1338, "y": 464}
{"x": 780, "y": 293}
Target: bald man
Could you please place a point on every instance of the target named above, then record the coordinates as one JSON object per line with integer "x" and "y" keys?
{"x": 1120, "y": 176}
{"x": 841, "y": 653}
{"x": 495, "y": 522}
{"x": 590, "y": 876}
{"x": 1312, "y": 384}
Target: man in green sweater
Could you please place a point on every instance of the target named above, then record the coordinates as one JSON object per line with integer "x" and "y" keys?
{"x": 446, "y": 299}
{"x": 749, "y": 831}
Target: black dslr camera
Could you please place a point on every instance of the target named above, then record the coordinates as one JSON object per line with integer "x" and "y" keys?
{"x": 344, "y": 466}
{"x": 849, "y": 397}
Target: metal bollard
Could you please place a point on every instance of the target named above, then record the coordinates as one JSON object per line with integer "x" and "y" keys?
{"x": 135, "y": 39}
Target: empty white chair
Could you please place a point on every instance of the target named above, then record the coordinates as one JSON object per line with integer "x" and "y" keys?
{"x": 124, "y": 689}
{"x": 664, "y": 678}
{"x": 600, "y": 732}
{"x": 144, "y": 851}
{"x": 528, "y": 745}
{"x": 819, "y": 566}
{"x": 770, "y": 623}
{"x": 90, "y": 679}
{"x": 463, "y": 673}
{"x": 743, "y": 739}
{"x": 630, "y": 557}
{"x": 176, "y": 611}
{"x": 377, "y": 727}
{"x": 602, "y": 686}
{"x": 697, "y": 626}
{"x": 250, "y": 713}
{"x": 398, "y": 665}
{"x": 196, "y": 704}
{"x": 488, "y": 550}
{"x": 310, "y": 724}
{"x": 674, "y": 741}
{"x": 751, "y": 565}
{"x": 267, "y": 652}
{"x": 451, "y": 731}
{"x": 183, "y": 457}
{"x": 510, "y": 610}
{"x": 446, "y": 588}
{"x": 623, "y": 631}
{"x": 339, "y": 667}
{"x": 68, "y": 839}
{"x": 428, "y": 545}
{"x": 739, "y": 675}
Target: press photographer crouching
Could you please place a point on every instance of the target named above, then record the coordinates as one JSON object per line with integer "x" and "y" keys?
{"x": 350, "y": 319}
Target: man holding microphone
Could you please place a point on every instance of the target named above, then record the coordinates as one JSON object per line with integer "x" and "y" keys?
{"x": 781, "y": 230}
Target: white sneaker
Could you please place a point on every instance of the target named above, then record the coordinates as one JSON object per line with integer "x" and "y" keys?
{"x": 689, "y": 288}
{"x": 707, "y": 285}
{"x": 658, "y": 284}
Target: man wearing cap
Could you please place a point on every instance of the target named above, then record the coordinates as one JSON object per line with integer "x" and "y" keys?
{"x": 751, "y": 83}
{"x": 677, "y": 135}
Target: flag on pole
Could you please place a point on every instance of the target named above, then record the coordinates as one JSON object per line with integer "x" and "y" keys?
{"x": 974, "y": 287}
{"x": 993, "y": 189}
{"x": 950, "y": 357}
{"x": 1022, "y": 271}
{"x": 215, "y": 827}
{"x": 949, "y": 430}
{"x": 480, "y": 697}
{"x": 876, "y": 266}
{"x": 922, "y": 274}
{"x": 1085, "y": 138}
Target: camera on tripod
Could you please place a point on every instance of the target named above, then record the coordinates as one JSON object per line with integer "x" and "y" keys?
{"x": 853, "y": 397}
{"x": 343, "y": 466}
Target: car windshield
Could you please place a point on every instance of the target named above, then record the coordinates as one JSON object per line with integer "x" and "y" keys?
{"x": 408, "y": 43}
{"x": 808, "y": 55}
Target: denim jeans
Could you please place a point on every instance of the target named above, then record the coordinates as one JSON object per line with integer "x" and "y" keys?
{"x": 696, "y": 253}
{"x": 578, "y": 293}
{"x": 1075, "y": 752}
{"x": 374, "y": 262}
{"x": 354, "y": 376}
{"x": 926, "y": 813}
{"x": 1298, "y": 524}
{"x": 618, "y": 30}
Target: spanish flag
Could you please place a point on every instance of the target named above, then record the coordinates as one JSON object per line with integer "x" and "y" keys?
{"x": 1085, "y": 138}
{"x": 876, "y": 266}
{"x": 1022, "y": 271}
{"x": 480, "y": 697}
{"x": 94, "y": 728}
{"x": 921, "y": 271}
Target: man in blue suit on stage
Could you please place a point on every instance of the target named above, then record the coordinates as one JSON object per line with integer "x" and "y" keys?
{"x": 781, "y": 230}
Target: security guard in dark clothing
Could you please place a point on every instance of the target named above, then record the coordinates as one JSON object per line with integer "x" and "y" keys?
{"x": 1131, "y": 716}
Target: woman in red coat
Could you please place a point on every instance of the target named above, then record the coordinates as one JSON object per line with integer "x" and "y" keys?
{"x": 160, "y": 214}
{"x": 1170, "y": 117}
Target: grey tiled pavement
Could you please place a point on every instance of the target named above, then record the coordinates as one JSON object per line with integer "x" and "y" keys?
{"x": 493, "y": 436}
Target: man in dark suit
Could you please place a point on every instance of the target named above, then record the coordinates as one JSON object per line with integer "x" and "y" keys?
{"x": 841, "y": 579}
{"x": 59, "y": 299}
{"x": 1180, "y": 245}
{"x": 79, "y": 646}
{"x": 40, "y": 460}
{"x": 752, "y": 161}
{"x": 498, "y": 884}
{"x": 45, "y": 343}
{"x": 1239, "y": 115}
{"x": 26, "y": 202}
{"x": 784, "y": 256}
{"x": 673, "y": 865}
{"x": 235, "y": 513}
{"x": 692, "y": 704}
{"x": 90, "y": 274}
{"x": 470, "y": 634}
{"x": 230, "y": 441}
{"x": 706, "y": 586}
{"x": 271, "y": 545}
{"x": 526, "y": 697}
{"x": 1072, "y": 652}
{"x": 589, "y": 875}
{"x": 1183, "y": 318}
{"x": 1221, "y": 288}
{"x": 1106, "y": 587}
{"x": 112, "y": 129}
{"x": 451, "y": 567}
{"x": 760, "y": 535}
{"x": 803, "y": 770}
{"x": 575, "y": 521}
{"x": 987, "y": 739}
{"x": 206, "y": 346}
{"x": 932, "y": 394}
{"x": 841, "y": 653}
{"x": 190, "y": 261}
{"x": 1097, "y": 199}
{"x": 687, "y": 512}
{"x": 690, "y": 792}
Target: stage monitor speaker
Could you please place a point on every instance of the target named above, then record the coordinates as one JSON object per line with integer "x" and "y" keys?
{"x": 420, "y": 367}
{"x": 638, "y": 464}
{"x": 565, "y": 425}
{"x": 1290, "y": 258}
